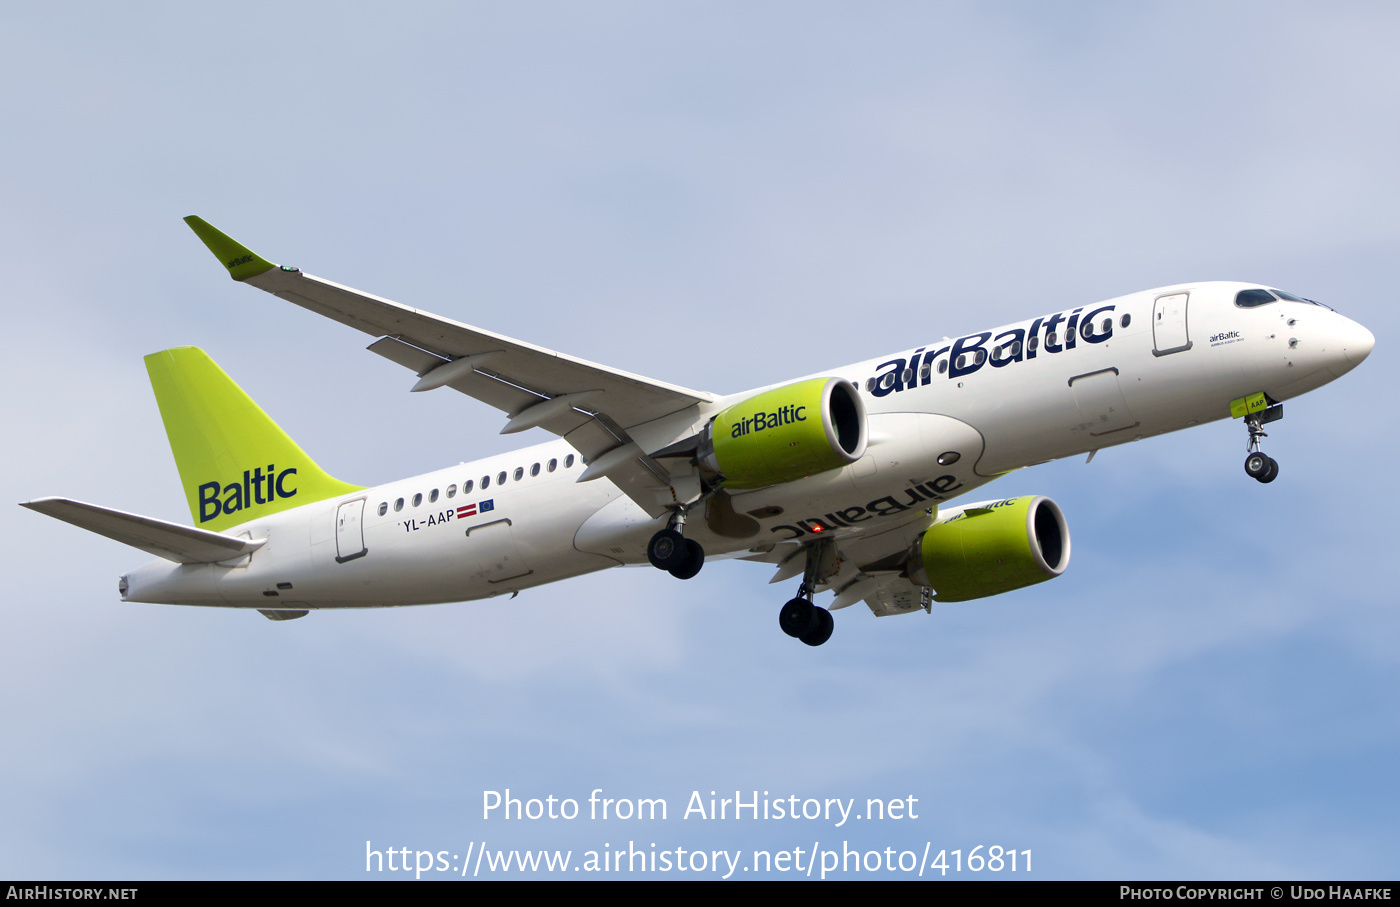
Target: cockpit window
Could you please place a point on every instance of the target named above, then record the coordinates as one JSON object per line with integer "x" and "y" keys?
{"x": 1291, "y": 298}
{"x": 1248, "y": 299}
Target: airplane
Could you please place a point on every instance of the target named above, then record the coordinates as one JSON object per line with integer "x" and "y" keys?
{"x": 846, "y": 478}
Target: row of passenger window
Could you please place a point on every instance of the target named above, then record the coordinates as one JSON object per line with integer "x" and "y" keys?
{"x": 470, "y": 484}
{"x": 1009, "y": 351}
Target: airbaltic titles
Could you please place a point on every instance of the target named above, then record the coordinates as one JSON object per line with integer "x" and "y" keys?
{"x": 257, "y": 488}
{"x": 968, "y": 354}
{"x": 786, "y": 415}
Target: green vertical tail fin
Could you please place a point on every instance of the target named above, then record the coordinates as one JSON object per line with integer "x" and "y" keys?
{"x": 235, "y": 463}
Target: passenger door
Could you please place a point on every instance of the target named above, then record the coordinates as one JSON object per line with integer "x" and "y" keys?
{"x": 350, "y": 531}
{"x": 1169, "y": 327}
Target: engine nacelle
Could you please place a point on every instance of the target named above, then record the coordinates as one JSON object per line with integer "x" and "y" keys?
{"x": 992, "y": 548}
{"x": 786, "y": 433}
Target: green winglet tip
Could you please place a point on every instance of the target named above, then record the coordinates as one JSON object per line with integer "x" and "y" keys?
{"x": 241, "y": 261}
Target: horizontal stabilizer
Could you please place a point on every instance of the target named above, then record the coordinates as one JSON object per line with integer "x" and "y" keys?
{"x": 181, "y": 544}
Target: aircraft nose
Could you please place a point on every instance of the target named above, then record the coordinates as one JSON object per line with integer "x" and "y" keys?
{"x": 1353, "y": 341}
{"x": 1357, "y": 342}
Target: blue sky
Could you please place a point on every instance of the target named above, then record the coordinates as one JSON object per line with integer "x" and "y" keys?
{"x": 718, "y": 196}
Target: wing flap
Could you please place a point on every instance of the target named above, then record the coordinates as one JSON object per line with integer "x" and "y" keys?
{"x": 898, "y": 596}
{"x": 172, "y": 541}
{"x": 405, "y": 354}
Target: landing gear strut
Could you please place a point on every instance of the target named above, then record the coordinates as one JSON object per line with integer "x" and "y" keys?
{"x": 670, "y": 551}
{"x": 801, "y": 619}
{"x": 1258, "y": 465}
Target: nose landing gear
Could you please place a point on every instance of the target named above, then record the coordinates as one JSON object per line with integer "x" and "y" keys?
{"x": 1258, "y": 465}
{"x": 670, "y": 551}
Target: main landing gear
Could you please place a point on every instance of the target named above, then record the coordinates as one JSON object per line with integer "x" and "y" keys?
{"x": 1258, "y": 465}
{"x": 801, "y": 619}
{"x": 670, "y": 551}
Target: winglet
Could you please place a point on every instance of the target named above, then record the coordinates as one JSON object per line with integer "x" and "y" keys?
{"x": 241, "y": 261}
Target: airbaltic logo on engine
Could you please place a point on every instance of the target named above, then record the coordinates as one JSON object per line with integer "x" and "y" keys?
{"x": 258, "y": 487}
{"x": 1051, "y": 335}
{"x": 786, "y": 415}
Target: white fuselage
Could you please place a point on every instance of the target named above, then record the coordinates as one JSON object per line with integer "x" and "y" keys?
{"x": 1022, "y": 394}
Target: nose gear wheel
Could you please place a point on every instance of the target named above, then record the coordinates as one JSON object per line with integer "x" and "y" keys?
{"x": 1261, "y": 467}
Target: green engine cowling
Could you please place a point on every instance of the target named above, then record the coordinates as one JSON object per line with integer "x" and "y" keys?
{"x": 992, "y": 548}
{"x": 787, "y": 433}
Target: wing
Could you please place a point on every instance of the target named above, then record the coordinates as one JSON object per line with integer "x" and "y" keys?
{"x": 595, "y": 408}
{"x": 857, "y": 567}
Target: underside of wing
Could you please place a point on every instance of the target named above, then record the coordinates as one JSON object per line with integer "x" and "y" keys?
{"x": 896, "y": 595}
{"x": 857, "y": 567}
{"x": 592, "y": 406}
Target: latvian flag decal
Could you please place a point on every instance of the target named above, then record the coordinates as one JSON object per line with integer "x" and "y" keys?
{"x": 467, "y": 510}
